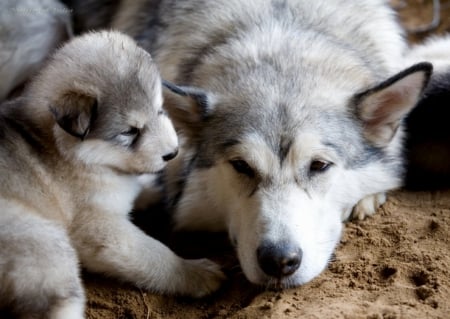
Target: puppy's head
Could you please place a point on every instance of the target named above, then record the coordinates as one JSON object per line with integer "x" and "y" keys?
{"x": 104, "y": 95}
{"x": 278, "y": 163}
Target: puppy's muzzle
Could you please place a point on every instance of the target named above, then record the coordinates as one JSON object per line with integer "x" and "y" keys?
{"x": 279, "y": 259}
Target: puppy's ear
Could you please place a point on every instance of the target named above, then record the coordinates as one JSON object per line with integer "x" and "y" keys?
{"x": 383, "y": 107}
{"x": 195, "y": 108}
{"x": 74, "y": 113}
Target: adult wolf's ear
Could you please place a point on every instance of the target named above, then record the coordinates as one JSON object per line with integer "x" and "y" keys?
{"x": 193, "y": 110}
{"x": 383, "y": 107}
{"x": 74, "y": 113}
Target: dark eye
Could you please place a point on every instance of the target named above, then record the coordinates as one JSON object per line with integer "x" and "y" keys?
{"x": 129, "y": 137}
{"x": 132, "y": 131}
{"x": 242, "y": 167}
{"x": 161, "y": 112}
{"x": 319, "y": 166}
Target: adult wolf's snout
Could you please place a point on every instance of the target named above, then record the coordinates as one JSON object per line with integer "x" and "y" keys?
{"x": 279, "y": 259}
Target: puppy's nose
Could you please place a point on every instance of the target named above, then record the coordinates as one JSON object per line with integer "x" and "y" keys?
{"x": 170, "y": 156}
{"x": 279, "y": 259}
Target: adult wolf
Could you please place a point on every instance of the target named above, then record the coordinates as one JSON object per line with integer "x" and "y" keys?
{"x": 291, "y": 112}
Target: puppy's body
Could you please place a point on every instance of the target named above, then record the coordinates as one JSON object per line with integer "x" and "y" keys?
{"x": 71, "y": 152}
{"x": 292, "y": 114}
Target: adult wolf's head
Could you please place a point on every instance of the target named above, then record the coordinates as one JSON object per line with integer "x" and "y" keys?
{"x": 278, "y": 161}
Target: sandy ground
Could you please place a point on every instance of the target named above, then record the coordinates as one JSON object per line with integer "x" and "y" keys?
{"x": 393, "y": 265}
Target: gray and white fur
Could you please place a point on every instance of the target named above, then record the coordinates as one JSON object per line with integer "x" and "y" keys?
{"x": 291, "y": 117}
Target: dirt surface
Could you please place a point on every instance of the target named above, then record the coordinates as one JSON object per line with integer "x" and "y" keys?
{"x": 393, "y": 265}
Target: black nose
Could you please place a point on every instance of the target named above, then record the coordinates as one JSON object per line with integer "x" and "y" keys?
{"x": 279, "y": 259}
{"x": 170, "y": 156}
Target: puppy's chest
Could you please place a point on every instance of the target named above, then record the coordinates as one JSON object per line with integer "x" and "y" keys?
{"x": 114, "y": 194}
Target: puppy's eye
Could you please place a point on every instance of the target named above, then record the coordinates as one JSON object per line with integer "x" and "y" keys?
{"x": 242, "y": 167}
{"x": 319, "y": 166}
{"x": 132, "y": 131}
{"x": 161, "y": 112}
{"x": 129, "y": 137}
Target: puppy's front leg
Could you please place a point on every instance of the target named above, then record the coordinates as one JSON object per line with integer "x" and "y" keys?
{"x": 112, "y": 245}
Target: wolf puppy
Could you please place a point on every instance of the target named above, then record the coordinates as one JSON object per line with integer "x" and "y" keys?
{"x": 291, "y": 112}
{"x": 71, "y": 152}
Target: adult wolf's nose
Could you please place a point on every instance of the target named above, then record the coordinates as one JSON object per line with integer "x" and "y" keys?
{"x": 279, "y": 259}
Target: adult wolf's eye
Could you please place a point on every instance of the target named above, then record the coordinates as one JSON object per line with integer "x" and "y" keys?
{"x": 318, "y": 166}
{"x": 242, "y": 167}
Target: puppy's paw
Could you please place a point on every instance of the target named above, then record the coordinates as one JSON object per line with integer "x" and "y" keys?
{"x": 203, "y": 277}
{"x": 368, "y": 206}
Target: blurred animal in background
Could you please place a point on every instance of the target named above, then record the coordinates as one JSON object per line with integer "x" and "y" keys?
{"x": 428, "y": 130}
{"x": 29, "y": 32}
